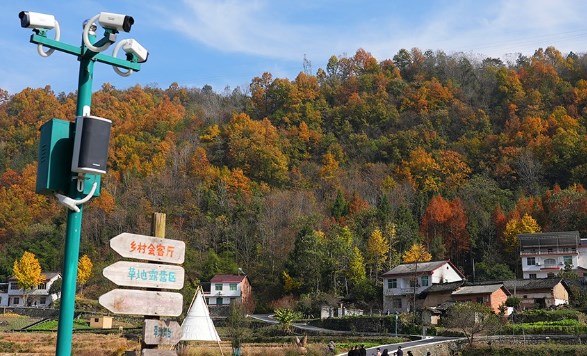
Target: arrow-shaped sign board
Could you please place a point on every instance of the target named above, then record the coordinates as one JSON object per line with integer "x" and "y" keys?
{"x": 147, "y": 275}
{"x": 140, "y": 302}
{"x": 150, "y": 248}
{"x": 156, "y": 352}
{"x": 161, "y": 332}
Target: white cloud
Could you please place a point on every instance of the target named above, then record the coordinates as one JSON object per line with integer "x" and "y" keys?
{"x": 251, "y": 27}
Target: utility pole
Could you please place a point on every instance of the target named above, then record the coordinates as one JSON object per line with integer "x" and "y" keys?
{"x": 86, "y": 140}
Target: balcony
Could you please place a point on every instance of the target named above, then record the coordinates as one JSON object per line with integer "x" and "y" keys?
{"x": 550, "y": 251}
{"x": 402, "y": 291}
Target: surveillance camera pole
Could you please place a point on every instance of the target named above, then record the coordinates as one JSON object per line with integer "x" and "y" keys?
{"x": 87, "y": 58}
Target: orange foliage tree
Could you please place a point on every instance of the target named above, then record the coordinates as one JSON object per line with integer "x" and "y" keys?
{"x": 446, "y": 221}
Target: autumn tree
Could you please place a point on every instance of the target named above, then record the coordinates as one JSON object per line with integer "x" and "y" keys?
{"x": 514, "y": 227}
{"x": 416, "y": 254}
{"x": 446, "y": 222}
{"x": 376, "y": 253}
{"x": 84, "y": 271}
{"x": 256, "y": 148}
{"x": 27, "y": 272}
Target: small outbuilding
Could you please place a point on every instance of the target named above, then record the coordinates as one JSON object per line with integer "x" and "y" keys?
{"x": 103, "y": 322}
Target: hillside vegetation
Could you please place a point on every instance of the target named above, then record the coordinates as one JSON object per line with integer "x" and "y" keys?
{"x": 316, "y": 185}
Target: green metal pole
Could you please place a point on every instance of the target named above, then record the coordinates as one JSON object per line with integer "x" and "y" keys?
{"x": 74, "y": 224}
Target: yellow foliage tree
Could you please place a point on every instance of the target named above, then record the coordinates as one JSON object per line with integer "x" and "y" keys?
{"x": 84, "y": 271}
{"x": 514, "y": 227}
{"x": 356, "y": 269}
{"x": 290, "y": 285}
{"x": 376, "y": 252}
{"x": 416, "y": 253}
{"x": 27, "y": 272}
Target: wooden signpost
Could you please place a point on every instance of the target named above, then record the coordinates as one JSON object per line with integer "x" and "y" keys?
{"x": 155, "y": 352}
{"x": 160, "y": 332}
{"x": 149, "y": 248}
{"x": 147, "y": 275}
{"x": 141, "y": 302}
{"x": 152, "y": 303}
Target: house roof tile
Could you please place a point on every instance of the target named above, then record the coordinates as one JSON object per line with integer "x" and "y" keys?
{"x": 227, "y": 278}
{"x": 531, "y": 284}
{"x": 421, "y": 267}
{"x": 478, "y": 289}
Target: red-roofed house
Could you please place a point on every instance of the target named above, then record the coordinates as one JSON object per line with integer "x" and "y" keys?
{"x": 228, "y": 288}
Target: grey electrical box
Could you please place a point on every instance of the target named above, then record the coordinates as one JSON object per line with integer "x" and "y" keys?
{"x": 90, "y": 146}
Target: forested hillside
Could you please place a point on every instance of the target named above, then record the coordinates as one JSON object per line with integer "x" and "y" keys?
{"x": 316, "y": 185}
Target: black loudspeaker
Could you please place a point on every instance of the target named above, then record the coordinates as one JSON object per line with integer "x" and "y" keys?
{"x": 90, "y": 146}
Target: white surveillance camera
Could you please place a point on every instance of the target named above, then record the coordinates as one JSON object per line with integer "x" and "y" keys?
{"x": 116, "y": 21}
{"x": 133, "y": 47}
{"x": 29, "y": 19}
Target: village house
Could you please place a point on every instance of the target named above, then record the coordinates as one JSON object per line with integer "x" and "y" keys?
{"x": 539, "y": 293}
{"x": 438, "y": 294}
{"x": 228, "y": 288}
{"x": 492, "y": 295}
{"x": 402, "y": 283}
{"x": 12, "y": 296}
{"x": 545, "y": 254}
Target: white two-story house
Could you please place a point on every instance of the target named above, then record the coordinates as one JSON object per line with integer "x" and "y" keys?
{"x": 12, "y": 296}
{"x": 228, "y": 288}
{"x": 402, "y": 283}
{"x": 545, "y": 254}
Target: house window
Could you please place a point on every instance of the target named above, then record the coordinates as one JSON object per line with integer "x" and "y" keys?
{"x": 531, "y": 261}
{"x": 391, "y": 283}
{"x": 43, "y": 300}
{"x": 424, "y": 281}
{"x": 413, "y": 283}
{"x": 532, "y": 275}
{"x": 568, "y": 260}
{"x": 14, "y": 285}
{"x": 233, "y": 286}
{"x": 397, "y": 303}
{"x": 219, "y": 301}
{"x": 550, "y": 275}
{"x": 549, "y": 262}
{"x": 42, "y": 286}
{"x": 218, "y": 286}
{"x": 15, "y": 300}
{"x": 482, "y": 299}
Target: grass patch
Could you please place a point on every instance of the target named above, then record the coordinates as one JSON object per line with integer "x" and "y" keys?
{"x": 10, "y": 321}
{"x": 51, "y": 325}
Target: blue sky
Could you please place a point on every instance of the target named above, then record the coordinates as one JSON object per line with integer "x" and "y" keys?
{"x": 229, "y": 42}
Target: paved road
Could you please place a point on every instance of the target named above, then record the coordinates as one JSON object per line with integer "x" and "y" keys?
{"x": 372, "y": 351}
{"x": 391, "y": 348}
{"x": 302, "y": 326}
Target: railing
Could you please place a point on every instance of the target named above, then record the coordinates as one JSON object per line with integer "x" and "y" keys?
{"x": 548, "y": 252}
{"x": 402, "y": 291}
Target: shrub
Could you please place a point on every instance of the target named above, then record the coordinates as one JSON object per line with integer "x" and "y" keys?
{"x": 526, "y": 350}
{"x": 535, "y": 315}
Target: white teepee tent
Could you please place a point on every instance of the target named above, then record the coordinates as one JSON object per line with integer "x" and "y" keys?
{"x": 197, "y": 324}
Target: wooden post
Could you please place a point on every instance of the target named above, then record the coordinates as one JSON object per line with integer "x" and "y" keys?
{"x": 158, "y": 225}
{"x": 157, "y": 230}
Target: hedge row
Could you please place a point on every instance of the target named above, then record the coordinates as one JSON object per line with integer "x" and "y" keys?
{"x": 535, "y": 315}
{"x": 526, "y": 350}
{"x": 530, "y": 329}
